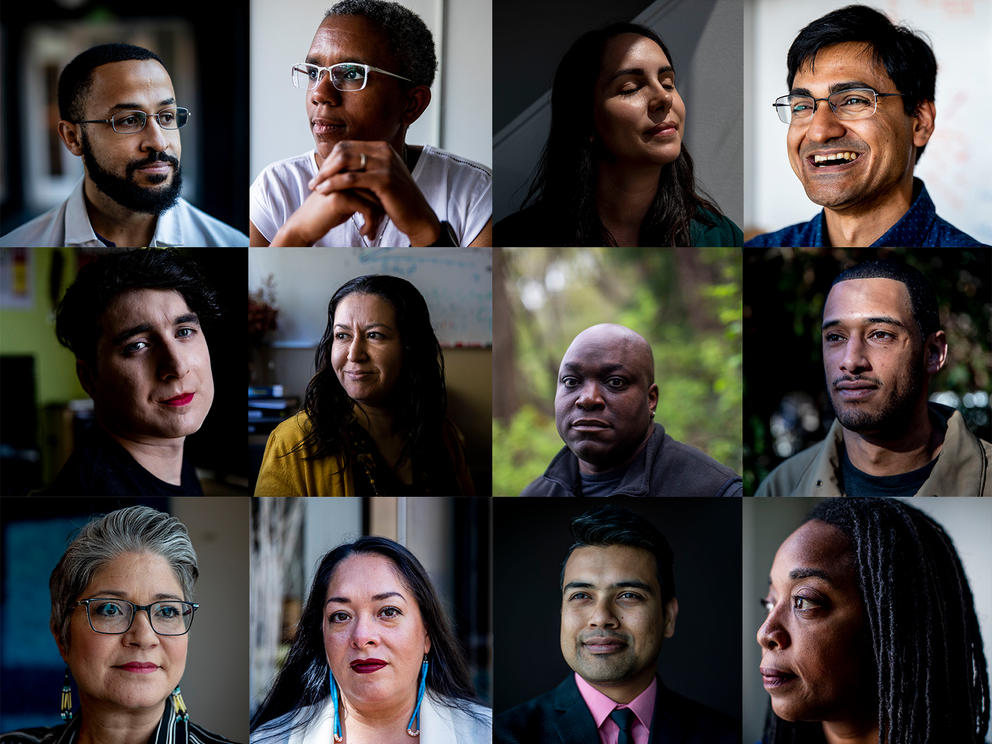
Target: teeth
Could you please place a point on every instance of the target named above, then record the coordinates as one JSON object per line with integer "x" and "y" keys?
{"x": 847, "y": 156}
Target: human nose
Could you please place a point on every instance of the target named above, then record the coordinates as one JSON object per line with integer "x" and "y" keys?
{"x": 356, "y": 349}
{"x": 324, "y": 91}
{"x": 363, "y": 632}
{"x": 823, "y": 124}
{"x": 854, "y": 359}
{"x": 603, "y": 615}
{"x": 173, "y": 361}
{"x": 661, "y": 97}
{"x": 141, "y": 632}
{"x": 154, "y": 137}
{"x": 772, "y": 633}
{"x": 589, "y": 397}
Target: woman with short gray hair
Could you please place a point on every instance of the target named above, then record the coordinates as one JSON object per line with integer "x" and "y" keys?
{"x": 122, "y": 606}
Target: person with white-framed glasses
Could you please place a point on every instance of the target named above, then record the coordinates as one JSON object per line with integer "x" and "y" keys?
{"x": 118, "y": 111}
{"x": 365, "y": 79}
{"x": 859, "y": 112}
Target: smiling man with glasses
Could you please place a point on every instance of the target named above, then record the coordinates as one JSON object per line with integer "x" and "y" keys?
{"x": 365, "y": 80}
{"x": 118, "y": 112}
{"x": 860, "y": 111}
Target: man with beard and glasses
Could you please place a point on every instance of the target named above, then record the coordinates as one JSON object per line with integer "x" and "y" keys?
{"x": 118, "y": 111}
{"x": 617, "y": 606}
{"x": 882, "y": 343}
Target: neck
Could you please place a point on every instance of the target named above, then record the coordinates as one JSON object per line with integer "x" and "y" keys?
{"x": 850, "y": 732}
{"x": 102, "y": 725}
{"x": 591, "y": 468}
{"x": 881, "y": 454}
{"x": 626, "y": 690}
{"x": 163, "y": 458}
{"x": 115, "y": 222}
{"x": 865, "y": 222}
{"x": 378, "y": 722}
{"x": 624, "y": 194}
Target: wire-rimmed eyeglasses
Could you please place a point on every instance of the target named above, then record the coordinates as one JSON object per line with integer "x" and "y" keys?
{"x": 345, "y": 76}
{"x": 114, "y": 616}
{"x": 132, "y": 122}
{"x": 852, "y": 103}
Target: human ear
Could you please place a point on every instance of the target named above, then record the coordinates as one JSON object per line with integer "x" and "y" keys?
{"x": 63, "y": 648}
{"x": 71, "y": 136}
{"x": 923, "y": 123}
{"x": 935, "y": 352}
{"x": 652, "y": 398}
{"x": 417, "y": 99}
{"x": 671, "y": 614}
{"x": 85, "y": 375}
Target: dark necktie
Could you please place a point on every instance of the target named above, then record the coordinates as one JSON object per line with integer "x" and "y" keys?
{"x": 624, "y": 718}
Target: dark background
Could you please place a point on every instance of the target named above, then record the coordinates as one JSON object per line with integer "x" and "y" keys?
{"x": 702, "y": 659}
{"x": 784, "y": 293}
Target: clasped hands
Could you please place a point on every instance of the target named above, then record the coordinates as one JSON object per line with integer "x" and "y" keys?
{"x": 342, "y": 187}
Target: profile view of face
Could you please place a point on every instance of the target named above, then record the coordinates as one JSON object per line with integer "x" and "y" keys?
{"x": 817, "y": 660}
{"x": 152, "y": 379}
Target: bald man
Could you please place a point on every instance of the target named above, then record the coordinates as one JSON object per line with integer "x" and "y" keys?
{"x": 604, "y": 409}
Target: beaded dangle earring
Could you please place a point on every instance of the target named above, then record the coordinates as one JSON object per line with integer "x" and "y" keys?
{"x": 182, "y": 714}
{"x": 338, "y": 736}
{"x": 413, "y": 728}
{"x": 65, "y": 709}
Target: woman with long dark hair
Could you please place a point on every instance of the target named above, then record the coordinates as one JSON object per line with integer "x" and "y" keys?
{"x": 871, "y": 635}
{"x": 374, "y": 659}
{"x": 373, "y": 419}
{"x": 614, "y": 169}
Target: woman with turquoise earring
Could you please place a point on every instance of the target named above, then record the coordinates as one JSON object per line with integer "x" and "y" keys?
{"x": 121, "y": 613}
{"x": 373, "y": 661}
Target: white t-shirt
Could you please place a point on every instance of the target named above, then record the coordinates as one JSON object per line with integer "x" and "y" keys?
{"x": 459, "y": 191}
{"x": 68, "y": 225}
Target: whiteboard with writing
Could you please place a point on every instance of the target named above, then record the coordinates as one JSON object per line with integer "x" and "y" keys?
{"x": 455, "y": 282}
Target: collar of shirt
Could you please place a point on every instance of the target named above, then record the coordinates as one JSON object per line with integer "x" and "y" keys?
{"x": 79, "y": 231}
{"x": 600, "y": 706}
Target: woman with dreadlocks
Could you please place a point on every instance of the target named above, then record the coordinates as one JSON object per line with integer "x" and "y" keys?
{"x": 871, "y": 635}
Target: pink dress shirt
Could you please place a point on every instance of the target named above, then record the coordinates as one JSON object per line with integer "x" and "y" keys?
{"x": 601, "y": 706}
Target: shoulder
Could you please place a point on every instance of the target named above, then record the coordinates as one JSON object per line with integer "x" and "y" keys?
{"x": 712, "y": 230}
{"x": 34, "y": 735}
{"x": 436, "y": 158}
{"x": 278, "y": 730}
{"x": 682, "y": 470}
{"x": 785, "y": 478}
{"x": 800, "y": 234}
{"x": 202, "y": 230}
{"x": 557, "y": 479}
{"x": 469, "y": 721}
{"x": 525, "y": 722}
{"x": 296, "y": 167}
{"x": 947, "y": 235}
{"x": 45, "y": 230}
{"x": 199, "y": 735}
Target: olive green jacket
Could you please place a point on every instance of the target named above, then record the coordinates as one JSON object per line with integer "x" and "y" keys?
{"x": 963, "y": 469}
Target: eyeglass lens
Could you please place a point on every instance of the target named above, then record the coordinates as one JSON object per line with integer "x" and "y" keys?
{"x": 115, "y": 616}
{"x": 845, "y": 104}
{"x": 128, "y": 122}
{"x": 344, "y": 76}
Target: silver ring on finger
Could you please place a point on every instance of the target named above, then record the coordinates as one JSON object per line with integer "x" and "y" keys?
{"x": 362, "y": 161}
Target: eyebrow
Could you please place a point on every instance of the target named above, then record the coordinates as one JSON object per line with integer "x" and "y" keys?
{"x": 138, "y": 106}
{"x": 365, "y": 327}
{"x": 123, "y": 595}
{"x": 868, "y": 321}
{"x": 603, "y": 370}
{"x": 639, "y": 71}
{"x": 375, "y": 598}
{"x": 626, "y": 584}
{"x": 353, "y": 60}
{"x": 146, "y": 327}
{"x": 834, "y": 88}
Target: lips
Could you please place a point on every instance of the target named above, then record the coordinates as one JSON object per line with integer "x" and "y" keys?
{"x": 587, "y": 424}
{"x": 854, "y": 389}
{"x": 367, "y": 666}
{"x": 773, "y": 678}
{"x": 665, "y": 129}
{"x": 604, "y": 644}
{"x": 833, "y": 160}
{"x": 319, "y": 125}
{"x": 138, "y": 667}
{"x": 183, "y": 399}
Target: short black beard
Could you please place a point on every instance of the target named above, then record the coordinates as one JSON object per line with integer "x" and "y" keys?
{"x": 125, "y": 191}
{"x": 891, "y": 421}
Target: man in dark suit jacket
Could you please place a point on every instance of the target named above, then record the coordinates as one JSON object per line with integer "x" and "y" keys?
{"x": 618, "y": 604}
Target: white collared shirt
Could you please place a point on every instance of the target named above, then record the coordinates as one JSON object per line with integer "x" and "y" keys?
{"x": 68, "y": 225}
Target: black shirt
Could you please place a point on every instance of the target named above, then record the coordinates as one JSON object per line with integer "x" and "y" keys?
{"x": 859, "y": 483}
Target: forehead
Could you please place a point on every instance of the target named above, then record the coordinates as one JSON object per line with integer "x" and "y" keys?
{"x": 610, "y": 564}
{"x": 135, "y": 81}
{"x": 854, "y": 299}
{"x": 843, "y": 63}
{"x": 605, "y": 350}
{"x": 631, "y": 51}
{"x": 133, "y": 572}
{"x": 136, "y": 306}
{"x": 819, "y": 546}
{"x": 366, "y": 574}
{"x": 350, "y": 38}
{"x": 367, "y": 308}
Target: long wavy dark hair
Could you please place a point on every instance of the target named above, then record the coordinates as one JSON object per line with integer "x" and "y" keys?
{"x": 420, "y": 396}
{"x": 933, "y": 683}
{"x": 564, "y": 187}
{"x": 304, "y": 679}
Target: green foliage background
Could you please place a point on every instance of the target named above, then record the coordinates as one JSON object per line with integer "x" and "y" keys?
{"x": 685, "y": 302}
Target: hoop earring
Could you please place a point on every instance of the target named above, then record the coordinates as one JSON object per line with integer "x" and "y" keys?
{"x": 65, "y": 708}
{"x": 338, "y": 737}
{"x": 413, "y": 728}
{"x": 182, "y": 714}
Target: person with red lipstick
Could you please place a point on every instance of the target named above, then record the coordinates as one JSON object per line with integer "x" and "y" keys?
{"x": 604, "y": 409}
{"x": 119, "y": 113}
{"x": 121, "y": 612}
{"x": 871, "y": 634}
{"x": 615, "y": 170}
{"x": 373, "y": 420}
{"x": 882, "y": 343}
{"x": 373, "y": 660}
{"x": 860, "y": 111}
{"x": 618, "y": 605}
{"x": 366, "y": 79}
{"x": 136, "y": 324}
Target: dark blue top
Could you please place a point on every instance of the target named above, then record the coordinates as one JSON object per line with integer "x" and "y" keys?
{"x": 919, "y": 227}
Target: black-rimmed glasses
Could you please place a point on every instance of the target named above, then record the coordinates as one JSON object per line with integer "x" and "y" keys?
{"x": 346, "y": 76}
{"x": 114, "y": 616}
{"x": 132, "y": 122}
{"x": 853, "y": 103}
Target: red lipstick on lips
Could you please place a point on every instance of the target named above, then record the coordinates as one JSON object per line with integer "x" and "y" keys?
{"x": 183, "y": 399}
{"x": 138, "y": 667}
{"x": 367, "y": 666}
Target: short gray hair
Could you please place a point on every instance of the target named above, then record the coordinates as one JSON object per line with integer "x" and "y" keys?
{"x": 409, "y": 38}
{"x": 136, "y": 529}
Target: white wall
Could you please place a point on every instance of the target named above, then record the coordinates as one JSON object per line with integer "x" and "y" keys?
{"x": 458, "y": 119}
{"x": 958, "y": 158}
